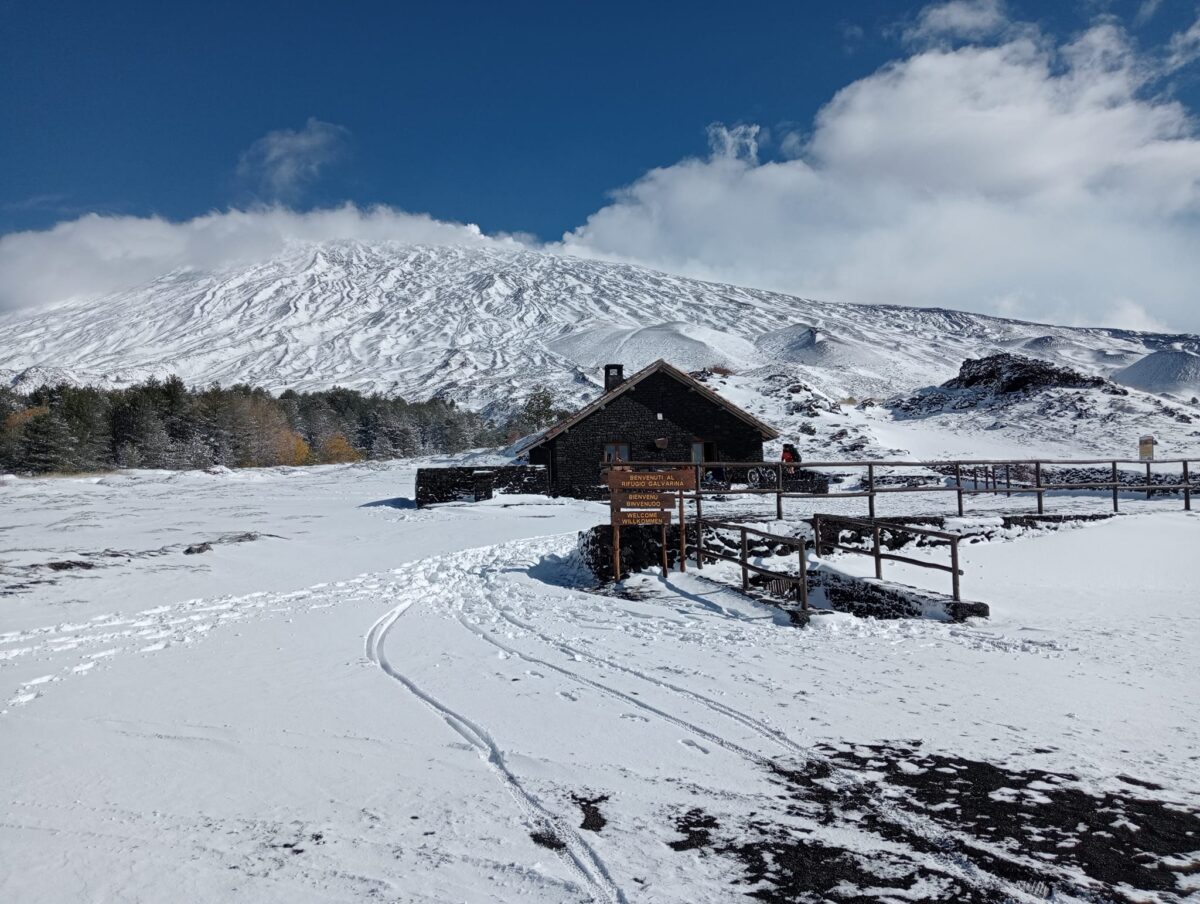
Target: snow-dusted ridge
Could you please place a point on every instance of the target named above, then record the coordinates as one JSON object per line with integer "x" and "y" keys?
{"x": 482, "y": 323}
{"x": 486, "y": 326}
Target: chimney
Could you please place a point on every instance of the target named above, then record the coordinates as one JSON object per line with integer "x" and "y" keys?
{"x": 614, "y": 376}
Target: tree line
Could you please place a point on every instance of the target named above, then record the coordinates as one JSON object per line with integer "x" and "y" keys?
{"x": 166, "y": 424}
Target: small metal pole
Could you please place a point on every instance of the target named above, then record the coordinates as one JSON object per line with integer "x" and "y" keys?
{"x": 1037, "y": 482}
{"x": 699, "y": 530}
{"x": 745, "y": 570}
{"x": 954, "y": 568}
{"x": 779, "y": 491}
{"x": 1116, "y": 483}
{"x": 958, "y": 484}
{"x": 682, "y": 535}
{"x": 878, "y": 560}
{"x": 1187, "y": 489}
{"x": 665, "y": 566}
{"x": 871, "y": 491}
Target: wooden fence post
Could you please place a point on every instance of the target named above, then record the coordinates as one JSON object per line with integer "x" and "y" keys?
{"x": 699, "y": 529}
{"x": 616, "y": 538}
{"x": 1037, "y": 482}
{"x": 803, "y": 579}
{"x": 745, "y": 570}
{"x": 878, "y": 560}
{"x": 1116, "y": 484}
{"x": 1149, "y": 492}
{"x": 958, "y": 483}
{"x": 1187, "y": 488}
{"x": 682, "y": 535}
{"x": 665, "y": 567}
{"x": 954, "y": 569}
{"x": 871, "y": 491}
{"x": 779, "y": 491}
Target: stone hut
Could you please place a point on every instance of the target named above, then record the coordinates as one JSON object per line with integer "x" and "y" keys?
{"x": 658, "y": 414}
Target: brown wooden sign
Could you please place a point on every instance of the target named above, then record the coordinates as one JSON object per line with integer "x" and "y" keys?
{"x": 673, "y": 480}
{"x": 641, "y": 499}
{"x": 628, "y": 519}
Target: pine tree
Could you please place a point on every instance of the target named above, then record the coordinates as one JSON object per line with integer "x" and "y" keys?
{"x": 47, "y": 444}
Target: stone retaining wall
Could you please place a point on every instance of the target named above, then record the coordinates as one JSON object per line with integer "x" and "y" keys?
{"x": 436, "y": 485}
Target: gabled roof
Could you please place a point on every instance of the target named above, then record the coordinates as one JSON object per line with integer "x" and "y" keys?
{"x": 659, "y": 366}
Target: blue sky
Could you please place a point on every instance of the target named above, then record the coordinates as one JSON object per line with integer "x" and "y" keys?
{"x": 527, "y": 117}
{"x": 515, "y": 116}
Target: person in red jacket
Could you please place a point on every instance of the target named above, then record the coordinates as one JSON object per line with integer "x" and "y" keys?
{"x": 790, "y": 455}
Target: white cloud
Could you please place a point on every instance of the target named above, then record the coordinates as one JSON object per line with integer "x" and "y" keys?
{"x": 964, "y": 20}
{"x": 737, "y": 143}
{"x": 282, "y": 163}
{"x": 1146, "y": 11}
{"x": 94, "y": 254}
{"x": 1184, "y": 47}
{"x": 1017, "y": 176}
{"x": 1021, "y": 178}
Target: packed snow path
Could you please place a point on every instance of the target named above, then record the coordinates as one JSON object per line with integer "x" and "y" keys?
{"x": 478, "y": 725}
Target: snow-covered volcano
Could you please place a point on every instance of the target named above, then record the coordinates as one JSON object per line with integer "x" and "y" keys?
{"x": 486, "y": 326}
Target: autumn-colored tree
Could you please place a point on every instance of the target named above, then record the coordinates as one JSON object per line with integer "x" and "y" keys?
{"x": 18, "y": 419}
{"x": 290, "y": 448}
{"x": 337, "y": 450}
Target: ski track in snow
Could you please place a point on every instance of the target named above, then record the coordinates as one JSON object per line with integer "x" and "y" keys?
{"x": 466, "y": 587}
{"x": 581, "y": 856}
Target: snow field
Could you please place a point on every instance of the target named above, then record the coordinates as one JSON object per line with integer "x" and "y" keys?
{"x": 313, "y": 733}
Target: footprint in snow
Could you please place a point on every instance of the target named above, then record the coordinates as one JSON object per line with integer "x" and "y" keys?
{"x": 634, "y": 717}
{"x": 567, "y": 695}
{"x": 688, "y": 742}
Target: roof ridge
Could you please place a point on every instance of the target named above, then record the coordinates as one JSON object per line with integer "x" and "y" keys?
{"x": 660, "y": 365}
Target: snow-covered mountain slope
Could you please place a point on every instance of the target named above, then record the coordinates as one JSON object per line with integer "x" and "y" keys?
{"x": 486, "y": 326}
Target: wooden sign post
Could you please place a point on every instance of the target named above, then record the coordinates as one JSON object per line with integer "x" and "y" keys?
{"x": 647, "y": 497}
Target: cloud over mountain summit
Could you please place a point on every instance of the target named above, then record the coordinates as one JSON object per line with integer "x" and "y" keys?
{"x": 993, "y": 168}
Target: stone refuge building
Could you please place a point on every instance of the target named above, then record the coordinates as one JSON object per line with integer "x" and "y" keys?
{"x": 658, "y": 414}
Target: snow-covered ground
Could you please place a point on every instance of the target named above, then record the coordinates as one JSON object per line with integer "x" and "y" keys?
{"x": 345, "y": 698}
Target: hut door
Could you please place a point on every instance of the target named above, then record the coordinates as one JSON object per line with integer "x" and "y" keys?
{"x": 702, "y": 451}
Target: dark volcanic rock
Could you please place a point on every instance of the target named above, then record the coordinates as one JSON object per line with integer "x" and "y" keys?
{"x": 999, "y": 380}
{"x": 1015, "y": 373}
{"x": 945, "y": 828}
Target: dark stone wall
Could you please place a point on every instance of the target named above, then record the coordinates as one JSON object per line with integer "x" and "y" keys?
{"x": 574, "y": 458}
{"x": 435, "y": 485}
{"x": 641, "y": 548}
{"x": 881, "y": 599}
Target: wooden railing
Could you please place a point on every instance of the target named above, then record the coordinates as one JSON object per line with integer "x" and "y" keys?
{"x": 780, "y": 578}
{"x": 823, "y": 524}
{"x": 965, "y": 477}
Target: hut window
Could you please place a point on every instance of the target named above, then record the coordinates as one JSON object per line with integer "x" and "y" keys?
{"x": 616, "y": 451}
